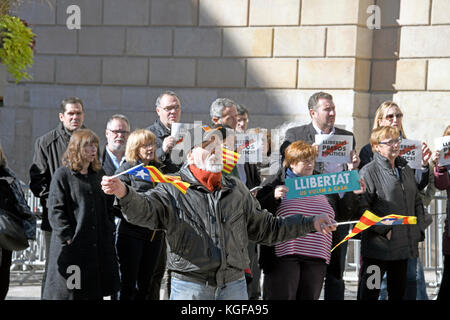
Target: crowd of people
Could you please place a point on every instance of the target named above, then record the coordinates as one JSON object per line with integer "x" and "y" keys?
{"x": 111, "y": 233}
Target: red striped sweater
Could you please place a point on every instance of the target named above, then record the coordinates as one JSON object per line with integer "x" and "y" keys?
{"x": 314, "y": 244}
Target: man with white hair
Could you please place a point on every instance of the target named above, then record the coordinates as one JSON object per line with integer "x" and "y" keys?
{"x": 209, "y": 226}
{"x": 117, "y": 132}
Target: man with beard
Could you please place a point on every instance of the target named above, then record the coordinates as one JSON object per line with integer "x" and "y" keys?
{"x": 117, "y": 132}
{"x": 209, "y": 226}
{"x": 48, "y": 152}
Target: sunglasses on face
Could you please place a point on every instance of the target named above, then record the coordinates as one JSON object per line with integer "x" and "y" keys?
{"x": 392, "y": 115}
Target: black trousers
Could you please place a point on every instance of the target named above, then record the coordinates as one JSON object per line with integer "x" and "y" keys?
{"x": 5, "y": 265}
{"x": 444, "y": 290}
{"x": 295, "y": 277}
{"x": 137, "y": 263}
{"x": 372, "y": 272}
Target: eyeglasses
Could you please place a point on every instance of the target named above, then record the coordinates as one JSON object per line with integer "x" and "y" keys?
{"x": 147, "y": 146}
{"x": 117, "y": 132}
{"x": 391, "y": 142}
{"x": 168, "y": 109}
{"x": 392, "y": 115}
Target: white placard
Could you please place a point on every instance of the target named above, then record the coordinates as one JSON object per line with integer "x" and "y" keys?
{"x": 411, "y": 151}
{"x": 249, "y": 146}
{"x": 334, "y": 148}
{"x": 443, "y": 144}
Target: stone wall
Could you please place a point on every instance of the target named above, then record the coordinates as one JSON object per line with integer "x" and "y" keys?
{"x": 269, "y": 55}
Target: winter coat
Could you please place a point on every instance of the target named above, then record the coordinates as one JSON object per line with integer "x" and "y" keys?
{"x": 161, "y": 132}
{"x": 141, "y": 186}
{"x": 208, "y": 232}
{"x": 13, "y": 201}
{"x": 78, "y": 211}
{"x": 442, "y": 182}
{"x": 48, "y": 152}
{"x": 388, "y": 194}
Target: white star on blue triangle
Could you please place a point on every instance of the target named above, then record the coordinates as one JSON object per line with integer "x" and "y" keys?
{"x": 141, "y": 173}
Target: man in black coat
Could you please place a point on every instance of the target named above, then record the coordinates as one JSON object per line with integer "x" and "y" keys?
{"x": 48, "y": 152}
{"x": 323, "y": 115}
{"x": 168, "y": 108}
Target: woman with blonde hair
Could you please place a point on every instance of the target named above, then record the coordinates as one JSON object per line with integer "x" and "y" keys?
{"x": 82, "y": 259}
{"x": 139, "y": 249}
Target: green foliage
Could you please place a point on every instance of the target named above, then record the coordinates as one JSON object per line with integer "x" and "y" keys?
{"x": 16, "y": 42}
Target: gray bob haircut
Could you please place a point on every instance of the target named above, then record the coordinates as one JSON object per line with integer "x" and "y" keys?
{"x": 218, "y": 105}
{"x": 165, "y": 93}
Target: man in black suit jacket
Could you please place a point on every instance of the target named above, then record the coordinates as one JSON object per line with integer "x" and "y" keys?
{"x": 323, "y": 115}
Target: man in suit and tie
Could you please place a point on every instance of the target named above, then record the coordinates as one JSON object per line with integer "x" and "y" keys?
{"x": 323, "y": 115}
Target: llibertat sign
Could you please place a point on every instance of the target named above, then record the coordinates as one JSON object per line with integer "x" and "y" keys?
{"x": 326, "y": 183}
{"x": 411, "y": 151}
{"x": 334, "y": 148}
{"x": 443, "y": 144}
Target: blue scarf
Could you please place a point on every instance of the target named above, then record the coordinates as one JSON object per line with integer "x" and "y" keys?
{"x": 291, "y": 174}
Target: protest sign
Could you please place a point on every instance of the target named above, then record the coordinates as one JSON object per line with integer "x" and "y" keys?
{"x": 249, "y": 146}
{"x": 334, "y": 148}
{"x": 411, "y": 151}
{"x": 327, "y": 183}
{"x": 443, "y": 144}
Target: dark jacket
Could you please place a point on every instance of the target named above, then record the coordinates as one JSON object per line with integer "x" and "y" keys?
{"x": 388, "y": 194}
{"x": 141, "y": 186}
{"x": 208, "y": 232}
{"x": 161, "y": 132}
{"x": 442, "y": 182}
{"x": 78, "y": 211}
{"x": 109, "y": 168}
{"x": 48, "y": 152}
{"x": 12, "y": 200}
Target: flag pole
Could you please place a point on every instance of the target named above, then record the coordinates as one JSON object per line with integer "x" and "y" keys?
{"x": 126, "y": 171}
{"x": 346, "y": 222}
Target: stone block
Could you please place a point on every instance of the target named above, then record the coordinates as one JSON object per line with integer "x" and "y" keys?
{"x": 349, "y": 41}
{"x": 386, "y": 43}
{"x": 97, "y": 98}
{"x": 125, "y": 71}
{"x": 414, "y": 12}
{"x": 411, "y": 74}
{"x": 440, "y": 13}
{"x": 102, "y": 40}
{"x": 130, "y": 12}
{"x": 299, "y": 42}
{"x": 55, "y": 40}
{"x": 362, "y": 75}
{"x": 221, "y": 73}
{"x": 326, "y": 12}
{"x": 247, "y": 42}
{"x": 36, "y": 12}
{"x": 421, "y": 42}
{"x": 85, "y": 70}
{"x": 44, "y": 96}
{"x": 23, "y": 122}
{"x": 149, "y": 41}
{"x": 271, "y": 73}
{"x": 172, "y": 72}
{"x": 389, "y": 12}
{"x": 197, "y": 42}
{"x": 16, "y": 95}
{"x": 7, "y": 120}
{"x": 174, "y": 12}
{"x": 274, "y": 12}
{"x": 43, "y": 69}
{"x": 91, "y": 12}
{"x": 326, "y": 73}
{"x": 439, "y": 74}
{"x": 383, "y": 75}
{"x": 223, "y": 12}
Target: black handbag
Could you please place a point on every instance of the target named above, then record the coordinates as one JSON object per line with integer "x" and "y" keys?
{"x": 12, "y": 234}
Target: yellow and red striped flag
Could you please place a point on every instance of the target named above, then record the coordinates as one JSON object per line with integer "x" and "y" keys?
{"x": 229, "y": 158}
{"x": 151, "y": 173}
{"x": 369, "y": 219}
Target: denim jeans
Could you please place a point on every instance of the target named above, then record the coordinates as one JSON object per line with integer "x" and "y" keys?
{"x": 188, "y": 290}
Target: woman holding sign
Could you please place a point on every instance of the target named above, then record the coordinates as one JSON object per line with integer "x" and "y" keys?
{"x": 138, "y": 248}
{"x": 442, "y": 182}
{"x": 297, "y": 270}
{"x": 391, "y": 189}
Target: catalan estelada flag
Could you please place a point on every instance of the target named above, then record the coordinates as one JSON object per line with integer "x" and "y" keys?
{"x": 229, "y": 158}
{"x": 151, "y": 173}
{"x": 369, "y": 219}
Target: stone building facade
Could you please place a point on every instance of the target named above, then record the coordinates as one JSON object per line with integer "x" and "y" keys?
{"x": 269, "y": 55}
